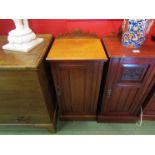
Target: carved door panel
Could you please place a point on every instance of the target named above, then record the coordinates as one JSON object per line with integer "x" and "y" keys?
{"x": 77, "y": 85}
{"x": 126, "y": 90}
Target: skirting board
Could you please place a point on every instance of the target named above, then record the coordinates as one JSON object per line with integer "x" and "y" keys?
{"x": 117, "y": 119}
{"x": 149, "y": 117}
{"x": 78, "y": 117}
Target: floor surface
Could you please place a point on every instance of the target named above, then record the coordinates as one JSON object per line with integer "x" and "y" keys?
{"x": 85, "y": 128}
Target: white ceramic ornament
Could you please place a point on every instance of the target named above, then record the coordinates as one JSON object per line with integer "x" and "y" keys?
{"x": 22, "y": 38}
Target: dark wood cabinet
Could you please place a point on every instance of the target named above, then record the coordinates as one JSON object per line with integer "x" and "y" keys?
{"x": 26, "y": 97}
{"x": 129, "y": 78}
{"x": 76, "y": 66}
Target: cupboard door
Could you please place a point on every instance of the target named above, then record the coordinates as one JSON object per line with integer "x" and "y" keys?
{"x": 127, "y": 84}
{"x": 77, "y": 85}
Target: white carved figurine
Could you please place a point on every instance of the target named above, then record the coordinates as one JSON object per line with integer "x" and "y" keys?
{"x": 22, "y": 38}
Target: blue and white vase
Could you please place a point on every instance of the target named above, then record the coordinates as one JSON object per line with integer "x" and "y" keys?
{"x": 134, "y": 32}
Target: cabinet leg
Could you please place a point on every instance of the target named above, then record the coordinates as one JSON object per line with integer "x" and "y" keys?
{"x": 50, "y": 127}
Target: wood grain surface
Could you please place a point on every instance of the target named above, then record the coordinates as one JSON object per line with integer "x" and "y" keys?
{"x": 77, "y": 49}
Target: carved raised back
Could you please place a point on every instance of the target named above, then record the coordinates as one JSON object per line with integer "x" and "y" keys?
{"x": 77, "y": 34}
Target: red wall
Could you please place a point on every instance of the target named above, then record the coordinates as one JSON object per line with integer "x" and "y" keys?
{"x": 101, "y": 27}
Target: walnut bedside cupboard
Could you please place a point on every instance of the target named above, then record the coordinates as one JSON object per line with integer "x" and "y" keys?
{"x": 129, "y": 80}
{"x": 26, "y": 96}
{"x": 77, "y": 65}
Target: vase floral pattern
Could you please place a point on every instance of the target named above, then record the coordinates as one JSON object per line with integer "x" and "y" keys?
{"x": 134, "y": 32}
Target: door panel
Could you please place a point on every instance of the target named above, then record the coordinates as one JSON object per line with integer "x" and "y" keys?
{"x": 121, "y": 99}
{"x": 77, "y": 86}
{"x": 127, "y": 87}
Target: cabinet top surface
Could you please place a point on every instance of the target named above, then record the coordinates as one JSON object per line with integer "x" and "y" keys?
{"x": 77, "y": 49}
{"x": 21, "y": 60}
{"x": 114, "y": 48}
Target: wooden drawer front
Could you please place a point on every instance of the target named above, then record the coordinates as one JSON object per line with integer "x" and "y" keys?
{"x": 77, "y": 86}
{"x": 18, "y": 81}
{"x": 24, "y": 119}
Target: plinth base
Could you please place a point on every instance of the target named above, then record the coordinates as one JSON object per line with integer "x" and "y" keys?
{"x": 25, "y": 47}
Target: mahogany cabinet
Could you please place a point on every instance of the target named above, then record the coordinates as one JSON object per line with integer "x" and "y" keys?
{"x": 129, "y": 79}
{"x": 25, "y": 96}
{"x": 76, "y": 65}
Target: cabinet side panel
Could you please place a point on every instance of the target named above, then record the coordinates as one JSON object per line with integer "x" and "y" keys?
{"x": 150, "y": 109}
{"x": 47, "y": 88}
{"x": 149, "y": 105}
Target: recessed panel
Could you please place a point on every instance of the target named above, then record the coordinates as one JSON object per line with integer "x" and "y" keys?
{"x": 133, "y": 72}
